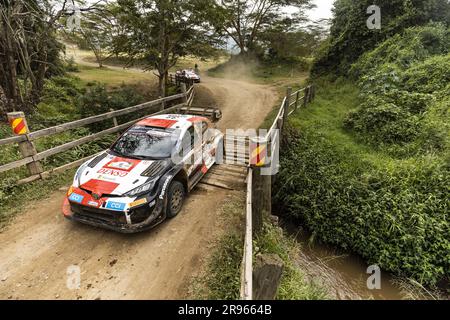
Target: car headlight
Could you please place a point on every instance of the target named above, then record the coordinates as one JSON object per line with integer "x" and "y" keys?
{"x": 146, "y": 187}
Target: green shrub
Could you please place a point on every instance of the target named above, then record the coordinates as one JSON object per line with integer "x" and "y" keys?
{"x": 403, "y": 50}
{"x": 71, "y": 66}
{"x": 401, "y": 81}
{"x": 99, "y": 100}
{"x": 429, "y": 76}
{"x": 394, "y": 214}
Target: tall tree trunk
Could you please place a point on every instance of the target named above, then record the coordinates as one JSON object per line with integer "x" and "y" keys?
{"x": 12, "y": 92}
{"x": 162, "y": 85}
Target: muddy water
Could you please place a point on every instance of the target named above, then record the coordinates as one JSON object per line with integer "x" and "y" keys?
{"x": 343, "y": 275}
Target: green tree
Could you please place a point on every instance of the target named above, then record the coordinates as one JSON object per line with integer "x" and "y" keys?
{"x": 159, "y": 32}
{"x": 286, "y": 43}
{"x": 29, "y": 51}
{"x": 97, "y": 30}
{"x": 350, "y": 37}
{"x": 246, "y": 21}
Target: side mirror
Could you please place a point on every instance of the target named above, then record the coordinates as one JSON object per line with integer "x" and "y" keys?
{"x": 217, "y": 115}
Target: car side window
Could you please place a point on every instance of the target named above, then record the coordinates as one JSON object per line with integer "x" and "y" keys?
{"x": 187, "y": 142}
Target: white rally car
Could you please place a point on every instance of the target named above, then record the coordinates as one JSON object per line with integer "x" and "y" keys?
{"x": 145, "y": 175}
{"x": 188, "y": 74}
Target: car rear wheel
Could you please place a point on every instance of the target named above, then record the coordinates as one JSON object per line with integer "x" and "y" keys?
{"x": 175, "y": 199}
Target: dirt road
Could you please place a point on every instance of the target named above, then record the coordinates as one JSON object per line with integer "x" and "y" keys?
{"x": 40, "y": 245}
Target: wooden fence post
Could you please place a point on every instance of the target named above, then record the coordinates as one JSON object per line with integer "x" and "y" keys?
{"x": 184, "y": 90}
{"x": 286, "y": 105}
{"x": 267, "y": 276}
{"x": 306, "y": 99}
{"x": 27, "y": 149}
{"x": 297, "y": 96}
{"x": 115, "y": 122}
{"x": 262, "y": 183}
{"x": 163, "y": 104}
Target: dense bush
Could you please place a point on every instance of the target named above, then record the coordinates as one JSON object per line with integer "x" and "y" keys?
{"x": 99, "y": 100}
{"x": 395, "y": 214}
{"x": 404, "y": 49}
{"x": 58, "y": 102}
{"x": 350, "y": 38}
{"x": 402, "y": 83}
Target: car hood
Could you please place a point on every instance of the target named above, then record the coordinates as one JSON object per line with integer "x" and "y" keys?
{"x": 107, "y": 174}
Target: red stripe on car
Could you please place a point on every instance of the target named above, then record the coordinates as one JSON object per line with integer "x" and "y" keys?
{"x": 160, "y": 123}
{"x": 100, "y": 187}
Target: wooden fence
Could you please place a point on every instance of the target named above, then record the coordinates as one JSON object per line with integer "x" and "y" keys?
{"x": 254, "y": 282}
{"x": 31, "y": 158}
{"x": 178, "y": 80}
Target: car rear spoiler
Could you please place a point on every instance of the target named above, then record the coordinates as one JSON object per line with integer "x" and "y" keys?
{"x": 213, "y": 113}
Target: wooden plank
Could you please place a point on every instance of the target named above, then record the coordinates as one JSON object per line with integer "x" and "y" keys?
{"x": 75, "y": 143}
{"x": 227, "y": 179}
{"x": 16, "y": 164}
{"x": 216, "y": 184}
{"x": 72, "y": 144}
{"x": 29, "y": 179}
{"x": 47, "y": 174}
{"x": 206, "y": 187}
{"x": 11, "y": 140}
{"x": 233, "y": 161}
{"x": 228, "y": 173}
{"x": 68, "y": 166}
{"x": 247, "y": 259}
{"x": 296, "y": 92}
{"x": 233, "y": 167}
{"x": 92, "y": 137}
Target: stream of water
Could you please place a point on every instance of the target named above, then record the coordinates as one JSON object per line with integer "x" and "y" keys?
{"x": 343, "y": 275}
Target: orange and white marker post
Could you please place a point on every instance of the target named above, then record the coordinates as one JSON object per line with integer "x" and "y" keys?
{"x": 258, "y": 152}
{"x": 262, "y": 183}
{"x": 19, "y": 127}
{"x": 18, "y": 123}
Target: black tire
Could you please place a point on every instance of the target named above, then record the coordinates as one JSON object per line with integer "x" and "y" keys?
{"x": 175, "y": 199}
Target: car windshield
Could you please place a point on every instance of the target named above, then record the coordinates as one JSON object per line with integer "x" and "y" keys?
{"x": 146, "y": 143}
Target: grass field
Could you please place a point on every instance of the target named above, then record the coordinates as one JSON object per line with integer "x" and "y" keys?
{"x": 113, "y": 76}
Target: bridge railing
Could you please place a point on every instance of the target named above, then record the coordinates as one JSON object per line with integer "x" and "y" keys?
{"x": 254, "y": 281}
{"x": 31, "y": 158}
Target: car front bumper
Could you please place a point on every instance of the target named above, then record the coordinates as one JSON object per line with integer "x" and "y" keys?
{"x": 139, "y": 219}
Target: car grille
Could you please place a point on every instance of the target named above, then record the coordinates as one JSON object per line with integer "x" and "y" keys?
{"x": 97, "y": 160}
{"x": 155, "y": 168}
{"x": 100, "y": 215}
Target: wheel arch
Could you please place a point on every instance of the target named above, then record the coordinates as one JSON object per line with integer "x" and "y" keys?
{"x": 182, "y": 177}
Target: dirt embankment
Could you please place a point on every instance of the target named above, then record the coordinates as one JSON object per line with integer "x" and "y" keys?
{"x": 40, "y": 245}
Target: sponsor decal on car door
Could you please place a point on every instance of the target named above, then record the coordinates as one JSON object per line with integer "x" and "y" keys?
{"x": 193, "y": 160}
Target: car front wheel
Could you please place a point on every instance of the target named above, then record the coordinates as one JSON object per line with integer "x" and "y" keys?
{"x": 175, "y": 199}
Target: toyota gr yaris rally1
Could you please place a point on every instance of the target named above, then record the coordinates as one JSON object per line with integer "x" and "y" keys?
{"x": 145, "y": 175}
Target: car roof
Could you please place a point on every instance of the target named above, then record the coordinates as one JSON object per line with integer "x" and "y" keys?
{"x": 172, "y": 121}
